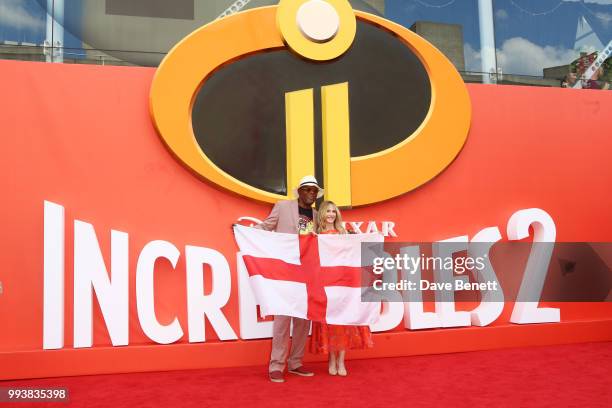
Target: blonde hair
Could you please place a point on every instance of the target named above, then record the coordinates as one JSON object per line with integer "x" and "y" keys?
{"x": 321, "y": 224}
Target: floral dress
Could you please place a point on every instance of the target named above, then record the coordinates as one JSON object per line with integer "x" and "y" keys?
{"x": 331, "y": 337}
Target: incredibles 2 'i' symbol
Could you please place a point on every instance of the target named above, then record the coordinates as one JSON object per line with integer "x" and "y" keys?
{"x": 254, "y": 101}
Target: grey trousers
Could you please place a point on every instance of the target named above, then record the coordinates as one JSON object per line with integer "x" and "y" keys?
{"x": 281, "y": 354}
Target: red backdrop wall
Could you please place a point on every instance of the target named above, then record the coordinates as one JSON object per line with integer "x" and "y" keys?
{"x": 81, "y": 136}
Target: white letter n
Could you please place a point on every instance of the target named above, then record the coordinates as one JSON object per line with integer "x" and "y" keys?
{"x": 90, "y": 273}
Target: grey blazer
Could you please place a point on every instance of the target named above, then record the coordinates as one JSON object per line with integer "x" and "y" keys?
{"x": 284, "y": 218}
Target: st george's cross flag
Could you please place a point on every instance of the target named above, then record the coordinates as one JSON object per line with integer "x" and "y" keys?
{"x": 318, "y": 278}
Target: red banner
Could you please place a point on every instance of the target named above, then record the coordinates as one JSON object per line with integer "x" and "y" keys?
{"x": 82, "y": 137}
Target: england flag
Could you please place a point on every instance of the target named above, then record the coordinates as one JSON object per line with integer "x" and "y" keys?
{"x": 319, "y": 278}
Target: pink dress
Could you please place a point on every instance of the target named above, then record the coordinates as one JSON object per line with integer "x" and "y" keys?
{"x": 330, "y": 337}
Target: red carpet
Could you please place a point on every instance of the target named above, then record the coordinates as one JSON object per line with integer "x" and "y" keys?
{"x": 554, "y": 376}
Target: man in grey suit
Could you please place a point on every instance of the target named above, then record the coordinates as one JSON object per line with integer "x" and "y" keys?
{"x": 294, "y": 217}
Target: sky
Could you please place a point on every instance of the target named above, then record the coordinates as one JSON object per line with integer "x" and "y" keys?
{"x": 529, "y": 34}
{"x": 22, "y": 20}
{"x": 26, "y": 21}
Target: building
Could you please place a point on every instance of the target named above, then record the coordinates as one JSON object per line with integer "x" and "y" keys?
{"x": 502, "y": 41}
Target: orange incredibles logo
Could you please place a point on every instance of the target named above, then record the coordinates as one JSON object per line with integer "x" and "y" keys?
{"x": 326, "y": 109}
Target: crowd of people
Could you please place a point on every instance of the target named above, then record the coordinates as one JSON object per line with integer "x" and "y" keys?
{"x": 595, "y": 82}
{"x": 578, "y": 76}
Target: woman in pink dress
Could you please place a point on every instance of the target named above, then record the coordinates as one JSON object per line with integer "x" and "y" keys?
{"x": 329, "y": 338}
